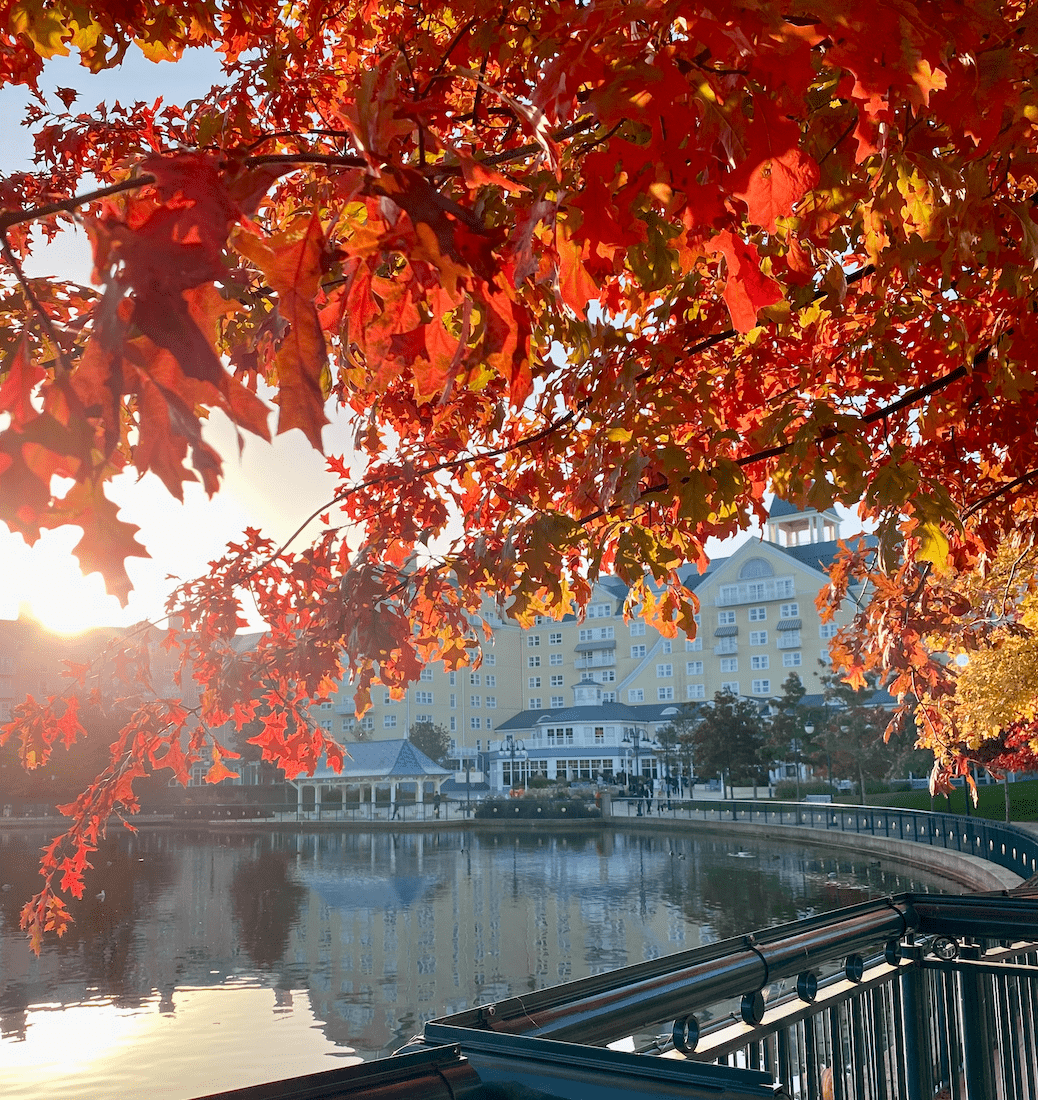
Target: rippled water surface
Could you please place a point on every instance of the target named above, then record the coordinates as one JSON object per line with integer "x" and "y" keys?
{"x": 215, "y": 961}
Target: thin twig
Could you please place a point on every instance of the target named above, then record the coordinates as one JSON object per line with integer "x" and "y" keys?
{"x": 1009, "y": 581}
{"x": 1001, "y": 491}
{"x": 44, "y": 318}
{"x": 435, "y": 468}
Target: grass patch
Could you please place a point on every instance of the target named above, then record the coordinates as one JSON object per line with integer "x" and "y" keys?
{"x": 1023, "y": 801}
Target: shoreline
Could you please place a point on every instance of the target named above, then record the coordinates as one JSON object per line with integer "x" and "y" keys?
{"x": 968, "y": 871}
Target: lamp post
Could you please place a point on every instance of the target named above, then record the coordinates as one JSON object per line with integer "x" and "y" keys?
{"x": 828, "y": 744}
{"x": 631, "y": 744}
{"x": 809, "y": 729}
{"x": 514, "y": 748}
{"x": 634, "y": 739}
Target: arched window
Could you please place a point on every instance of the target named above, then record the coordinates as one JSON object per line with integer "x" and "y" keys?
{"x": 755, "y": 567}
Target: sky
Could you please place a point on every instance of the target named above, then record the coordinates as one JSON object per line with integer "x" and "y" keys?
{"x": 272, "y": 487}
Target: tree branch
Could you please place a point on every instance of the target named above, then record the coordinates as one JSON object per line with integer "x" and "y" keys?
{"x": 41, "y": 314}
{"x": 69, "y": 206}
{"x": 435, "y": 468}
{"x": 331, "y": 160}
{"x": 1007, "y": 488}
{"x": 910, "y": 398}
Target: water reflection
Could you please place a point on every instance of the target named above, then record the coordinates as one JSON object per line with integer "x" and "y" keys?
{"x": 350, "y": 942}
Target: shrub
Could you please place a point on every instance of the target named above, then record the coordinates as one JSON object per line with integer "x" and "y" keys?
{"x": 517, "y": 809}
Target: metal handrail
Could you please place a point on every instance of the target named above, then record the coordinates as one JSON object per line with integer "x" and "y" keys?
{"x": 920, "y": 992}
{"x": 1006, "y": 845}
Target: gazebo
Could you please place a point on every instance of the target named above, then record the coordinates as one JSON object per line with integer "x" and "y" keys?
{"x": 370, "y": 764}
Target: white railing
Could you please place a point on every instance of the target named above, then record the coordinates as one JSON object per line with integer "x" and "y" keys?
{"x": 776, "y": 588}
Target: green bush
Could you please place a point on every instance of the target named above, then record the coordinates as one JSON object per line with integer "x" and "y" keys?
{"x": 787, "y": 789}
{"x": 535, "y": 809}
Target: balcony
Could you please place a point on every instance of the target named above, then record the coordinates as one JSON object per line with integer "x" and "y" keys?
{"x": 756, "y": 591}
{"x": 595, "y": 660}
{"x": 727, "y": 646}
{"x": 788, "y": 639}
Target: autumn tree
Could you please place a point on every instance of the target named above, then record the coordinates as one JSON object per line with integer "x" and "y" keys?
{"x": 431, "y": 739}
{"x": 730, "y": 740}
{"x": 857, "y": 733}
{"x": 578, "y": 284}
{"x": 994, "y": 706}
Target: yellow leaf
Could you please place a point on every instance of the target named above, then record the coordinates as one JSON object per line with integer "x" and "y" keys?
{"x": 933, "y": 546}
{"x": 47, "y": 31}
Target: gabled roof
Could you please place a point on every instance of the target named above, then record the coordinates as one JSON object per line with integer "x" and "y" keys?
{"x": 397, "y": 759}
{"x": 594, "y": 714}
{"x": 780, "y": 507}
{"x": 820, "y": 555}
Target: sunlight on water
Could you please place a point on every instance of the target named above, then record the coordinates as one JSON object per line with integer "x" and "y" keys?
{"x": 194, "y": 1042}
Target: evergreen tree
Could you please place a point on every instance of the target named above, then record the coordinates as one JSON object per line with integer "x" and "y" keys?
{"x": 431, "y": 739}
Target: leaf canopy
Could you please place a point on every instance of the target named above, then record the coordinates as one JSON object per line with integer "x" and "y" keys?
{"x": 579, "y": 284}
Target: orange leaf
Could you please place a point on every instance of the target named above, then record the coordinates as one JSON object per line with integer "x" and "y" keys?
{"x": 20, "y": 379}
{"x": 107, "y": 541}
{"x": 576, "y": 287}
{"x": 291, "y": 263}
{"x": 776, "y": 172}
{"x": 219, "y": 771}
{"x": 748, "y": 289}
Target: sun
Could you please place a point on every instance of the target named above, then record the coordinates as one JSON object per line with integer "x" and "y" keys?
{"x": 44, "y": 582}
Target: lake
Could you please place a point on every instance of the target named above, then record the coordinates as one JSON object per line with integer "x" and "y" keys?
{"x": 214, "y": 961}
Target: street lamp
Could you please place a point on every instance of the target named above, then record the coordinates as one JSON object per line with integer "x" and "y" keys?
{"x": 634, "y": 744}
{"x": 631, "y": 749}
{"x": 514, "y": 748}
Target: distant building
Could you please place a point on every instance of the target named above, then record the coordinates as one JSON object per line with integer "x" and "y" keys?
{"x": 571, "y": 691}
{"x": 578, "y": 694}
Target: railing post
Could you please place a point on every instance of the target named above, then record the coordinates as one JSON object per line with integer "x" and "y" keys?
{"x": 918, "y": 1058}
{"x": 978, "y": 1055}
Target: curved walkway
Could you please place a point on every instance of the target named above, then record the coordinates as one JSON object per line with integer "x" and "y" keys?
{"x": 978, "y": 854}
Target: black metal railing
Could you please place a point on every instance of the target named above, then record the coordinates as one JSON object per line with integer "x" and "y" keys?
{"x": 915, "y": 996}
{"x": 1008, "y": 846}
